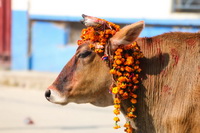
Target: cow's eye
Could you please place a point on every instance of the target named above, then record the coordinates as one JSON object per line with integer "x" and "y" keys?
{"x": 84, "y": 54}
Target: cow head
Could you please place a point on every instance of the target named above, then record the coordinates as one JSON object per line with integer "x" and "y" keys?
{"x": 86, "y": 78}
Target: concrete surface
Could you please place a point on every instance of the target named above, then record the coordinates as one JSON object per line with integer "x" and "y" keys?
{"x": 27, "y": 79}
{"x": 19, "y": 104}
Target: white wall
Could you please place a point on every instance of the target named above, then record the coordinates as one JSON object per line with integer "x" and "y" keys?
{"x": 20, "y": 4}
{"x": 153, "y": 9}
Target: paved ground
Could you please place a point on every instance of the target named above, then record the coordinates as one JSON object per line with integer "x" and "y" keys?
{"x": 19, "y": 104}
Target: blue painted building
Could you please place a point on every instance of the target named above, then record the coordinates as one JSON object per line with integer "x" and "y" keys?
{"x": 45, "y": 42}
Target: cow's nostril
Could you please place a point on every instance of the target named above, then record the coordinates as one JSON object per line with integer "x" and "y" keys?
{"x": 47, "y": 94}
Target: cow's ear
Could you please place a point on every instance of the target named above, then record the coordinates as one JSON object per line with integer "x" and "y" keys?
{"x": 127, "y": 34}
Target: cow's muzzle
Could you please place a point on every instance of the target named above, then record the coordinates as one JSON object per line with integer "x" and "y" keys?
{"x": 54, "y": 96}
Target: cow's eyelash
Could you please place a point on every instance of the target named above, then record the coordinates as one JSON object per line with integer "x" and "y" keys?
{"x": 84, "y": 54}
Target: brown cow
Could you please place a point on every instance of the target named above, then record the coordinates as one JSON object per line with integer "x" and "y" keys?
{"x": 169, "y": 96}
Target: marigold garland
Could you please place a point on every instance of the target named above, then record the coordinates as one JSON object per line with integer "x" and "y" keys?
{"x": 125, "y": 66}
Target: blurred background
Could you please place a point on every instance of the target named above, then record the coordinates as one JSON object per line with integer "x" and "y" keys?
{"x": 38, "y": 37}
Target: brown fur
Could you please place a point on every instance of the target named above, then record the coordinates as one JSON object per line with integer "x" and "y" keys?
{"x": 168, "y": 98}
{"x": 170, "y": 90}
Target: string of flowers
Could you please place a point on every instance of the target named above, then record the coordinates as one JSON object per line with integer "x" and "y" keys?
{"x": 125, "y": 69}
{"x": 125, "y": 65}
{"x": 98, "y": 34}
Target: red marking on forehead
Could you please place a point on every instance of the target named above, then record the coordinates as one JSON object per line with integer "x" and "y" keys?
{"x": 190, "y": 42}
{"x": 166, "y": 89}
{"x": 175, "y": 56}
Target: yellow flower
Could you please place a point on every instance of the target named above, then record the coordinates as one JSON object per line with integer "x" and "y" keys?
{"x": 113, "y": 71}
{"x": 115, "y": 90}
{"x": 116, "y": 111}
{"x": 116, "y": 119}
{"x": 117, "y": 106}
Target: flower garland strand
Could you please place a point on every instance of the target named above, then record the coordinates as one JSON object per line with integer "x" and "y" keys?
{"x": 99, "y": 35}
{"x": 125, "y": 69}
{"x": 125, "y": 66}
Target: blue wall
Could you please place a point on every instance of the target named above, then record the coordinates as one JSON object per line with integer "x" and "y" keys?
{"x": 19, "y": 41}
{"x": 50, "y": 50}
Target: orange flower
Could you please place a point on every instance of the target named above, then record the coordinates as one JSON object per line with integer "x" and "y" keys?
{"x": 136, "y": 67}
{"x": 128, "y": 69}
{"x": 113, "y": 71}
{"x": 118, "y": 62}
{"x": 134, "y": 78}
{"x": 117, "y": 53}
{"x": 118, "y": 73}
{"x": 121, "y": 92}
{"x": 135, "y": 87}
{"x": 116, "y": 111}
{"x": 136, "y": 81}
{"x": 122, "y": 68}
{"x": 130, "y": 84}
{"x": 127, "y": 125}
{"x": 127, "y": 74}
{"x": 117, "y": 57}
{"x": 133, "y": 101}
{"x": 137, "y": 62}
{"x": 131, "y": 115}
{"x": 123, "y": 86}
{"x": 131, "y": 109}
{"x": 116, "y": 127}
{"x": 134, "y": 44}
{"x": 119, "y": 50}
{"x": 128, "y": 130}
{"x": 125, "y": 95}
{"x": 116, "y": 101}
{"x": 114, "y": 65}
{"x": 122, "y": 79}
{"x": 139, "y": 70}
{"x": 80, "y": 42}
{"x": 134, "y": 95}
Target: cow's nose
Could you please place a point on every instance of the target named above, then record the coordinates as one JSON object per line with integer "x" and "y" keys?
{"x": 47, "y": 94}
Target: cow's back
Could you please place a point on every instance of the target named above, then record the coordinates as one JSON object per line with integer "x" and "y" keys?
{"x": 170, "y": 94}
